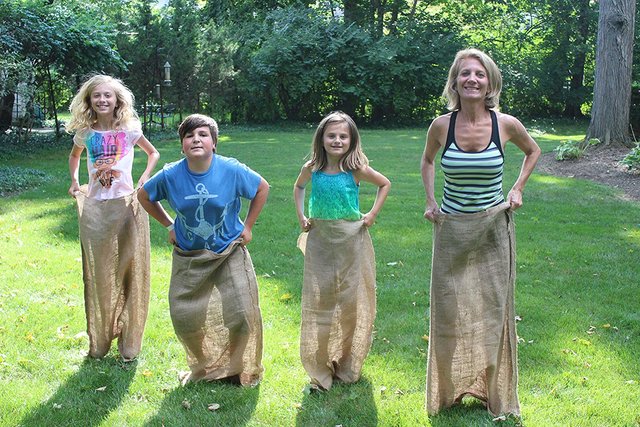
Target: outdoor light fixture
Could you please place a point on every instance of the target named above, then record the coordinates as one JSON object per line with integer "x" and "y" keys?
{"x": 167, "y": 74}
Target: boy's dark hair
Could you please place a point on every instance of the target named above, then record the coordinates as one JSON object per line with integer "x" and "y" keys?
{"x": 196, "y": 121}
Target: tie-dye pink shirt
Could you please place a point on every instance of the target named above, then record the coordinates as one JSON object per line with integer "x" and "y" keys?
{"x": 109, "y": 160}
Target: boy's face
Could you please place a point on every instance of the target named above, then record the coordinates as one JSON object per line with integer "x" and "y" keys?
{"x": 198, "y": 144}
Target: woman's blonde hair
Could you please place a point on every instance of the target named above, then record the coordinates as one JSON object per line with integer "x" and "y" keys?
{"x": 492, "y": 99}
{"x": 83, "y": 116}
{"x": 353, "y": 159}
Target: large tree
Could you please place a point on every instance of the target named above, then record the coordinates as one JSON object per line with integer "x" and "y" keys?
{"x": 614, "y": 59}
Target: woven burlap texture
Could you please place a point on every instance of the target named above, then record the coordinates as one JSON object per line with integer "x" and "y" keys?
{"x": 213, "y": 301}
{"x": 114, "y": 236}
{"x": 472, "y": 338}
{"x": 338, "y": 300}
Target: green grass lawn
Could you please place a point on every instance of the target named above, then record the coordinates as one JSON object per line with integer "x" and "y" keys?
{"x": 577, "y": 297}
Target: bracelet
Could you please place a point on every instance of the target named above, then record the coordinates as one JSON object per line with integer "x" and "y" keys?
{"x": 170, "y": 227}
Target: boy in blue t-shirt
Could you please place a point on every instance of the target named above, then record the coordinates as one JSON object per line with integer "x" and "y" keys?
{"x": 219, "y": 328}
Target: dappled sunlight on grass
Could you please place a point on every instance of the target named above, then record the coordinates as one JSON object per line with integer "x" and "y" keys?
{"x": 577, "y": 272}
{"x": 549, "y": 179}
{"x": 633, "y": 233}
{"x": 555, "y": 137}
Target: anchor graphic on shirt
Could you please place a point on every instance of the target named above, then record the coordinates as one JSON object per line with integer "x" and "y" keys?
{"x": 203, "y": 229}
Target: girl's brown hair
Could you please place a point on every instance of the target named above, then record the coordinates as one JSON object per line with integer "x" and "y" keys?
{"x": 354, "y": 159}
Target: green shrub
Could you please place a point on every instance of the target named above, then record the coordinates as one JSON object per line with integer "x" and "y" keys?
{"x": 12, "y": 146}
{"x": 632, "y": 160}
{"x": 568, "y": 150}
{"x": 15, "y": 180}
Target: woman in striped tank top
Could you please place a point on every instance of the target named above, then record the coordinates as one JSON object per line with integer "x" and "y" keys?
{"x": 470, "y": 328}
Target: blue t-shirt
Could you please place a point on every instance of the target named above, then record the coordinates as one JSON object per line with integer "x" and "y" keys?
{"x": 207, "y": 204}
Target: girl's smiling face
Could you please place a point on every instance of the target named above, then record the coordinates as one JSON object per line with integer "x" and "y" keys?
{"x": 336, "y": 140}
{"x": 104, "y": 100}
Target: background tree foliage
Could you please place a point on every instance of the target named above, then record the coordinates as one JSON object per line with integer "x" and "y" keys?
{"x": 383, "y": 61}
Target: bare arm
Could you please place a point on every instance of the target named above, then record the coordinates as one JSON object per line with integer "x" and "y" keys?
{"x": 299, "y": 194}
{"x": 255, "y": 207}
{"x": 521, "y": 138}
{"x": 435, "y": 139}
{"x": 152, "y": 159}
{"x": 369, "y": 174}
{"x": 74, "y": 166}
{"x": 156, "y": 210}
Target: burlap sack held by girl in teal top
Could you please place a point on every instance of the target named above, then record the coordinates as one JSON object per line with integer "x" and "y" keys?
{"x": 338, "y": 300}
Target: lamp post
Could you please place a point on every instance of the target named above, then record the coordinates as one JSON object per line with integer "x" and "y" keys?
{"x": 166, "y": 82}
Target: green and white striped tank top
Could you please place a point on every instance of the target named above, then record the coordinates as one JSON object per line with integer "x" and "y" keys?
{"x": 473, "y": 180}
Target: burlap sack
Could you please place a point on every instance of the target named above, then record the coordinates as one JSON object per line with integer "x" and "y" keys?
{"x": 338, "y": 300}
{"x": 114, "y": 235}
{"x": 472, "y": 339}
{"x": 213, "y": 301}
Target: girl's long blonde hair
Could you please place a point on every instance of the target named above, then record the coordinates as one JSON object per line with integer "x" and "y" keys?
{"x": 83, "y": 116}
{"x": 354, "y": 158}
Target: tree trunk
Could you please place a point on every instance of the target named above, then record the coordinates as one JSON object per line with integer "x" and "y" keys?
{"x": 52, "y": 95}
{"x": 614, "y": 57}
{"x": 576, "y": 86}
{"x": 6, "y": 109}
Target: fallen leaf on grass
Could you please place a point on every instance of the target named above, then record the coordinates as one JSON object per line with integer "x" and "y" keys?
{"x": 103, "y": 388}
{"x": 297, "y": 405}
{"x": 606, "y": 325}
{"x": 213, "y": 407}
{"x": 286, "y": 297}
{"x": 57, "y": 406}
{"x": 80, "y": 335}
{"x": 186, "y": 404}
{"x": 383, "y": 389}
{"x": 425, "y": 338}
{"x": 61, "y": 330}
{"x": 29, "y": 337}
{"x": 147, "y": 373}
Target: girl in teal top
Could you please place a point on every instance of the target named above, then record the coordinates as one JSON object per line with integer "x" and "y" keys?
{"x": 335, "y": 170}
{"x": 338, "y": 294}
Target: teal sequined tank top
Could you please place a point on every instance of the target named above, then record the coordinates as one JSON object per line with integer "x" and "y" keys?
{"x": 334, "y": 196}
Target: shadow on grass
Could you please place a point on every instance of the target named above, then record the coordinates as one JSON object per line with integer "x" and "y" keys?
{"x": 87, "y": 397}
{"x": 344, "y": 404}
{"x": 470, "y": 412}
{"x": 189, "y": 405}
